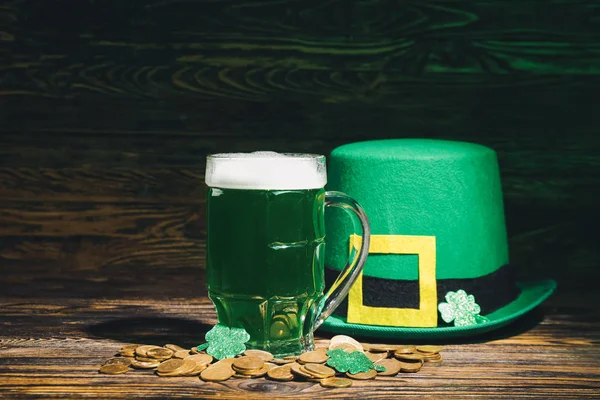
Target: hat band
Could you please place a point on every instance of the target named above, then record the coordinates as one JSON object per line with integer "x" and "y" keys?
{"x": 491, "y": 291}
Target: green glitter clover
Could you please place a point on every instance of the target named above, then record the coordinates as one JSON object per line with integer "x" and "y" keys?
{"x": 202, "y": 346}
{"x": 354, "y": 362}
{"x": 461, "y": 308}
{"x": 225, "y": 342}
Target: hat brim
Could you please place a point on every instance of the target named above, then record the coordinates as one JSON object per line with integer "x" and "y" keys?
{"x": 532, "y": 294}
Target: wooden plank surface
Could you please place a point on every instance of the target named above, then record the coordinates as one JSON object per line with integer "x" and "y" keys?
{"x": 192, "y": 42}
{"x": 108, "y": 109}
{"x": 107, "y": 112}
{"x": 51, "y": 345}
{"x": 544, "y": 242}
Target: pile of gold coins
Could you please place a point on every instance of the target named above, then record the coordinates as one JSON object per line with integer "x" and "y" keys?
{"x": 172, "y": 360}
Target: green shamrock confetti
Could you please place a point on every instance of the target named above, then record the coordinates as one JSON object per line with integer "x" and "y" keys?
{"x": 354, "y": 362}
{"x": 379, "y": 368}
{"x": 202, "y": 346}
{"x": 461, "y": 308}
{"x": 225, "y": 342}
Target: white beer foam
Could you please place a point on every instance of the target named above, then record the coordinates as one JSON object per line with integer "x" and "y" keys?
{"x": 266, "y": 170}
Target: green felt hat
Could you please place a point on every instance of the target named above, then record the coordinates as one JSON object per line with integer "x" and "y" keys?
{"x": 438, "y": 260}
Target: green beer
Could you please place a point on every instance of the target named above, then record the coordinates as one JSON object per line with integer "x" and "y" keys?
{"x": 265, "y": 261}
{"x": 266, "y": 247}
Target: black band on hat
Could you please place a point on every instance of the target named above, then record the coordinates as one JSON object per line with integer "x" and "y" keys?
{"x": 491, "y": 291}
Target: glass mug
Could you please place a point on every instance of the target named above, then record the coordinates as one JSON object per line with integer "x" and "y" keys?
{"x": 266, "y": 247}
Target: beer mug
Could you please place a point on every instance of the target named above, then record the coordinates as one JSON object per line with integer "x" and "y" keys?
{"x": 266, "y": 247}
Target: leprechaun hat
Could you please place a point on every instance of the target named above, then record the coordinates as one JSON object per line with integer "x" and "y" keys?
{"x": 438, "y": 260}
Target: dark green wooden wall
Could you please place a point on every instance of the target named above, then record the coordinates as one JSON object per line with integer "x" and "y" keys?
{"x": 109, "y": 107}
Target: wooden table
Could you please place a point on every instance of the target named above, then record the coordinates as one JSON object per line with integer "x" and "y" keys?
{"x": 56, "y": 332}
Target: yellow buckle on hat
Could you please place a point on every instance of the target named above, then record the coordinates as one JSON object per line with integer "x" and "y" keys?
{"x": 426, "y": 315}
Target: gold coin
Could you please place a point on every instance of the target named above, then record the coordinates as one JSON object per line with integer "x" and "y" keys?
{"x": 409, "y": 357}
{"x": 160, "y": 354}
{"x": 311, "y": 377}
{"x": 376, "y": 356}
{"x": 429, "y": 349}
{"x": 300, "y": 371}
{"x": 437, "y": 359}
{"x": 380, "y": 348}
{"x": 346, "y": 346}
{"x": 194, "y": 350}
{"x": 406, "y": 349}
{"x": 119, "y": 360}
{"x": 128, "y": 350}
{"x": 319, "y": 370}
{"x": 181, "y": 354}
{"x": 263, "y": 355}
{"x": 290, "y": 358}
{"x": 295, "y": 369}
{"x": 314, "y": 357}
{"x": 173, "y": 347}
{"x": 114, "y": 369}
{"x": 145, "y": 364}
{"x": 283, "y": 373}
{"x": 170, "y": 365}
{"x": 282, "y": 361}
{"x": 336, "y": 382}
{"x": 200, "y": 359}
{"x": 147, "y": 359}
{"x": 345, "y": 342}
{"x": 185, "y": 368}
{"x": 196, "y": 371}
{"x": 141, "y": 350}
{"x": 254, "y": 373}
{"x": 366, "y": 346}
{"x": 225, "y": 361}
{"x": 306, "y": 373}
{"x": 410, "y": 366}
{"x": 244, "y": 371}
{"x": 216, "y": 373}
{"x": 392, "y": 367}
{"x": 363, "y": 376}
{"x": 248, "y": 363}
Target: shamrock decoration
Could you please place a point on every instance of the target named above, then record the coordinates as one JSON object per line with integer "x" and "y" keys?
{"x": 354, "y": 362}
{"x": 225, "y": 342}
{"x": 379, "y": 368}
{"x": 461, "y": 308}
{"x": 202, "y": 346}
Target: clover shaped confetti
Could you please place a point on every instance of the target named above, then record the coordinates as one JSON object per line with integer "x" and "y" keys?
{"x": 461, "y": 308}
{"x": 225, "y": 342}
{"x": 354, "y": 362}
{"x": 379, "y": 368}
{"x": 203, "y": 346}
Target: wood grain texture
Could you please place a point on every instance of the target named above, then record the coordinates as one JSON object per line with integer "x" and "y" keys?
{"x": 171, "y": 47}
{"x": 114, "y": 185}
{"x": 133, "y": 221}
{"x": 97, "y": 235}
{"x": 544, "y": 242}
{"x": 52, "y": 347}
{"x": 108, "y": 109}
{"x": 395, "y": 104}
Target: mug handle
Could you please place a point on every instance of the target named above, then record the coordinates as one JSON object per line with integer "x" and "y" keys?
{"x": 340, "y": 288}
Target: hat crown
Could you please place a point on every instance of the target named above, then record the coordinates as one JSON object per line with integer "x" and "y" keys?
{"x": 411, "y": 149}
{"x": 422, "y": 187}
